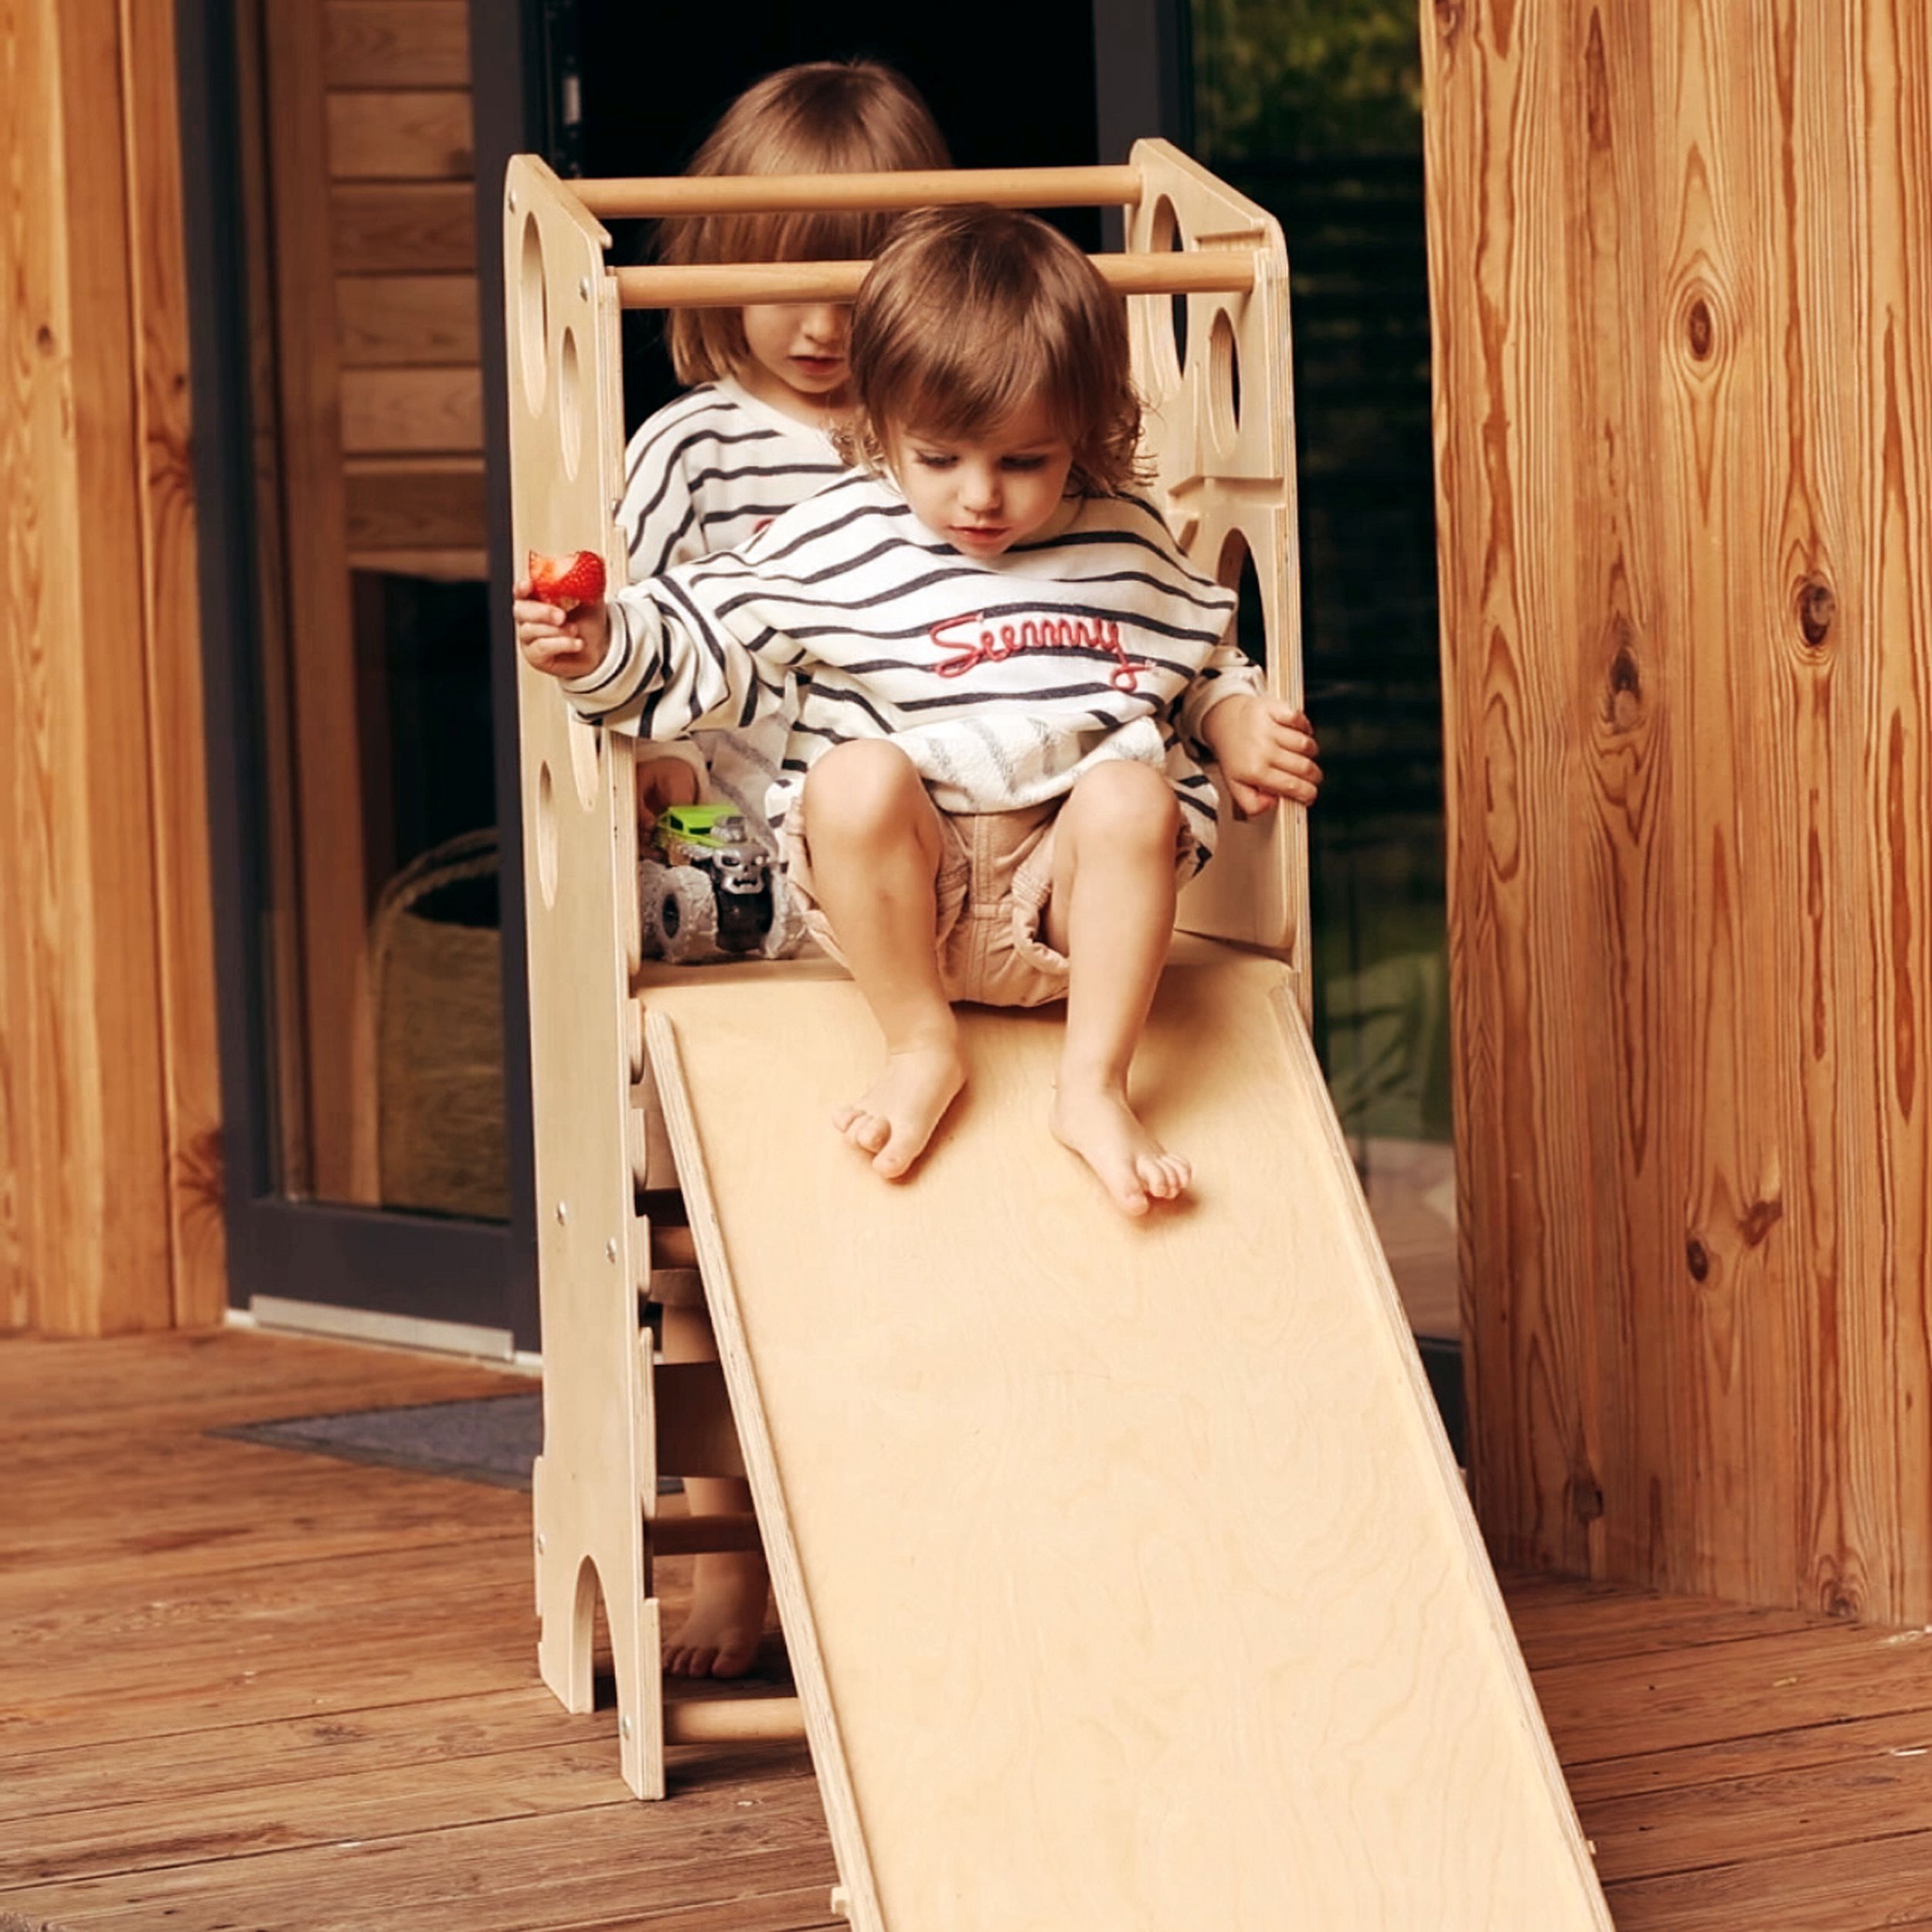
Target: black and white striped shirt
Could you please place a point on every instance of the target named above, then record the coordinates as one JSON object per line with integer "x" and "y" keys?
{"x": 709, "y": 471}
{"x": 1003, "y": 679}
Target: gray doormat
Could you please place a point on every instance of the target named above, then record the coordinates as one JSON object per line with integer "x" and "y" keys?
{"x": 493, "y": 1438}
{"x": 490, "y": 1439}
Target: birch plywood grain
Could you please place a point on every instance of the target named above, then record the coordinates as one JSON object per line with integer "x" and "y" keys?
{"x": 1681, "y": 259}
{"x": 596, "y": 1475}
{"x": 1125, "y": 1572}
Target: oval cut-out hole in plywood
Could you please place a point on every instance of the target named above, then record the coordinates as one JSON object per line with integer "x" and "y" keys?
{"x": 533, "y": 313}
{"x": 586, "y": 759}
{"x": 1170, "y": 341}
{"x": 545, "y": 830}
{"x": 569, "y": 404}
{"x": 1236, "y": 570}
{"x": 1224, "y": 382}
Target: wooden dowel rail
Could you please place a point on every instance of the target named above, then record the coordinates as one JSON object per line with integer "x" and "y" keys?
{"x": 1197, "y": 272}
{"x": 704, "y": 1535}
{"x": 653, "y": 196}
{"x": 734, "y": 1720}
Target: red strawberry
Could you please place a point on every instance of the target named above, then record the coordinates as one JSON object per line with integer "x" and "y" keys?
{"x": 567, "y": 582}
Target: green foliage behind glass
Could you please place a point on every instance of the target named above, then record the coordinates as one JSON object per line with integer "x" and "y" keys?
{"x": 1275, "y": 77}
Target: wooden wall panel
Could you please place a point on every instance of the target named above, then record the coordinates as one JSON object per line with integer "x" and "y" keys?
{"x": 107, "y": 1078}
{"x": 176, "y": 760}
{"x": 398, "y": 410}
{"x": 1681, "y": 259}
{"x": 414, "y": 136}
{"x": 398, "y": 503}
{"x": 398, "y": 320}
{"x": 403, "y": 228}
{"x": 397, "y": 43}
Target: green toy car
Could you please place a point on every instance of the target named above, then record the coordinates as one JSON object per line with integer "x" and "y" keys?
{"x": 710, "y": 884}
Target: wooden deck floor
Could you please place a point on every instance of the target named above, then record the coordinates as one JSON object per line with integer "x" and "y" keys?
{"x": 246, "y": 1689}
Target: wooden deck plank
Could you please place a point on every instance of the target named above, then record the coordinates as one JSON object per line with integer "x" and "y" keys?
{"x": 515, "y": 1875}
{"x": 1856, "y": 1887}
{"x": 250, "y": 1687}
{"x": 126, "y": 1831}
{"x": 1814, "y": 1808}
{"x": 1766, "y": 1684}
{"x": 1578, "y": 1624}
{"x": 1651, "y": 1774}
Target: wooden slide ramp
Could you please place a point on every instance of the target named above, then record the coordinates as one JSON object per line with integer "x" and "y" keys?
{"x": 1125, "y": 1571}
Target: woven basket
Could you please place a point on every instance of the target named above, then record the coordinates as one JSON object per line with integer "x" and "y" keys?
{"x": 436, "y": 983}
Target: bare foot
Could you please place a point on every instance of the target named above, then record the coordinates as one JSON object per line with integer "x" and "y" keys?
{"x": 895, "y": 1118}
{"x": 1097, "y": 1124}
{"x": 719, "y": 1637}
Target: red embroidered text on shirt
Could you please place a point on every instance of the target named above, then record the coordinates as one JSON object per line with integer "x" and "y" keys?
{"x": 1037, "y": 633}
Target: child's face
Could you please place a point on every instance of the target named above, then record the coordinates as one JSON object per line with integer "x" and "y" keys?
{"x": 800, "y": 346}
{"x": 986, "y": 492}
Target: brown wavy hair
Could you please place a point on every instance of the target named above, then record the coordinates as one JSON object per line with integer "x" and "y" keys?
{"x": 825, "y": 118}
{"x": 970, "y": 313}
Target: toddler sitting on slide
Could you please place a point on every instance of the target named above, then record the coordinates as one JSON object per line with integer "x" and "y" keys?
{"x": 1013, "y": 684}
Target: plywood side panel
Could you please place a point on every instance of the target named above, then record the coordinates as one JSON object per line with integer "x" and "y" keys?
{"x": 1680, "y": 256}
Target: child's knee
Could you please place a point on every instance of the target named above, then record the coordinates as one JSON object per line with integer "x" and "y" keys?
{"x": 863, "y": 790}
{"x": 1123, "y": 800}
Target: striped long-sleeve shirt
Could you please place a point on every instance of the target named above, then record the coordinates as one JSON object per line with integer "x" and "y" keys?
{"x": 706, "y": 472}
{"x": 1003, "y": 679}
{"x": 709, "y": 471}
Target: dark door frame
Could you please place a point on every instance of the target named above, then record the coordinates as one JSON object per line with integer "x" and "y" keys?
{"x": 410, "y": 1268}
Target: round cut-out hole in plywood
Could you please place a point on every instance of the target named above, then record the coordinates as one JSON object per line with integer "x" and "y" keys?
{"x": 1224, "y": 382}
{"x": 533, "y": 313}
{"x": 545, "y": 835}
{"x": 569, "y": 404}
{"x": 1236, "y": 570}
{"x": 586, "y": 759}
{"x": 1170, "y": 342}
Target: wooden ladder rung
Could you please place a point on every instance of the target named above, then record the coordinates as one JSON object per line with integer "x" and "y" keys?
{"x": 735, "y": 1720}
{"x": 703, "y": 1536}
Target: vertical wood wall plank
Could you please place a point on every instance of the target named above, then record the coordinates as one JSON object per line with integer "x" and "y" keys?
{"x": 109, "y": 1109}
{"x": 85, "y": 1141}
{"x": 176, "y": 760}
{"x": 1681, "y": 264}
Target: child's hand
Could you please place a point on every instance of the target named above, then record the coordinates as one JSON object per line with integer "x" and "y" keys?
{"x": 564, "y": 644}
{"x": 1266, "y": 750}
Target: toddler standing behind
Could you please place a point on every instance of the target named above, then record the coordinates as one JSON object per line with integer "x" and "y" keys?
{"x": 750, "y": 437}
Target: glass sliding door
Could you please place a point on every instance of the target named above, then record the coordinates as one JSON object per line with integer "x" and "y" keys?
{"x": 372, "y": 1075}
{"x": 1313, "y": 108}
